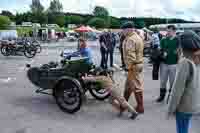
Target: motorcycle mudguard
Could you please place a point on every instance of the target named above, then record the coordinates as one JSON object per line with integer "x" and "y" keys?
{"x": 76, "y": 82}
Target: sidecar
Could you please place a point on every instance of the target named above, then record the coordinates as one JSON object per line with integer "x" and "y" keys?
{"x": 64, "y": 81}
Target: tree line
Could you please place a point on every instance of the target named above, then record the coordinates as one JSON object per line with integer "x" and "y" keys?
{"x": 100, "y": 18}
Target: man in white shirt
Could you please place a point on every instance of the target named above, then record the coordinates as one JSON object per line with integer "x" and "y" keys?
{"x": 155, "y": 40}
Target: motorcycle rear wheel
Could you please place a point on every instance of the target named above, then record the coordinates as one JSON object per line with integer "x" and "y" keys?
{"x": 30, "y": 51}
{"x": 5, "y": 50}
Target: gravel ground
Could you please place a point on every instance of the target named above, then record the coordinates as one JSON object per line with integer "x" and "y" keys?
{"x": 23, "y": 111}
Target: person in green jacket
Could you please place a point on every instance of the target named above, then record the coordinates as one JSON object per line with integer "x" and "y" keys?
{"x": 169, "y": 47}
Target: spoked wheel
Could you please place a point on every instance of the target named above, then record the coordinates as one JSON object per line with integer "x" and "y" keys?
{"x": 99, "y": 94}
{"x": 5, "y": 50}
{"x": 68, "y": 96}
{"x": 30, "y": 51}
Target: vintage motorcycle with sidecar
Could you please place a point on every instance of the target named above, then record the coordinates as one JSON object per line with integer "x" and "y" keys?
{"x": 64, "y": 79}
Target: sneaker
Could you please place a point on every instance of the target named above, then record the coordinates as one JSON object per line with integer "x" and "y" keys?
{"x": 133, "y": 116}
{"x": 121, "y": 112}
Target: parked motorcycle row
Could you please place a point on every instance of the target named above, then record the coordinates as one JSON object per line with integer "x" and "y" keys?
{"x": 28, "y": 48}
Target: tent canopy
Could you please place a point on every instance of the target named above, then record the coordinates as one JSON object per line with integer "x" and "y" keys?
{"x": 83, "y": 29}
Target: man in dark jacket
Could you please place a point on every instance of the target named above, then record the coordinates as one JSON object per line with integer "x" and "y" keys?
{"x": 111, "y": 46}
{"x": 122, "y": 38}
{"x": 107, "y": 45}
{"x": 104, "y": 50}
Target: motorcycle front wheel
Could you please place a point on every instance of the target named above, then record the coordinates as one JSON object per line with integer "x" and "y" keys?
{"x": 99, "y": 94}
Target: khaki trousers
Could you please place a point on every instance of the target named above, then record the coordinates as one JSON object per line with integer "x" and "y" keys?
{"x": 135, "y": 80}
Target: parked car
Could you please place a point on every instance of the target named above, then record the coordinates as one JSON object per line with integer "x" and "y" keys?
{"x": 72, "y": 36}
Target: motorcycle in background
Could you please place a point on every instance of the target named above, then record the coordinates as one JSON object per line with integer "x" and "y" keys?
{"x": 14, "y": 49}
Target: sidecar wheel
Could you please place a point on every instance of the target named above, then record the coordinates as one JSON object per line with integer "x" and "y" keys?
{"x": 68, "y": 96}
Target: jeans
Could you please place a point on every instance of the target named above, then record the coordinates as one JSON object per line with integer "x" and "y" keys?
{"x": 110, "y": 53}
{"x": 183, "y": 122}
{"x": 167, "y": 72}
{"x": 104, "y": 58}
{"x": 155, "y": 71}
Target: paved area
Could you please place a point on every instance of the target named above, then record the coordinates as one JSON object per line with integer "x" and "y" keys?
{"x": 23, "y": 111}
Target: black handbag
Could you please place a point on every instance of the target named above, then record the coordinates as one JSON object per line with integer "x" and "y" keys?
{"x": 163, "y": 55}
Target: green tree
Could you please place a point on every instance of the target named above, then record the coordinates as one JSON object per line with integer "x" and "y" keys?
{"x": 51, "y": 18}
{"x": 8, "y": 14}
{"x": 60, "y": 20}
{"x": 140, "y": 24}
{"x": 23, "y": 17}
{"x": 38, "y": 14}
{"x": 74, "y": 19}
{"x": 40, "y": 18}
{"x": 55, "y": 6}
{"x": 4, "y": 22}
{"x": 18, "y": 19}
{"x": 86, "y": 19}
{"x": 36, "y": 6}
{"x": 28, "y": 17}
{"x": 100, "y": 11}
{"x": 114, "y": 23}
{"x": 97, "y": 22}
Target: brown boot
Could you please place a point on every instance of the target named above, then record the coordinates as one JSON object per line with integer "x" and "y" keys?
{"x": 140, "y": 104}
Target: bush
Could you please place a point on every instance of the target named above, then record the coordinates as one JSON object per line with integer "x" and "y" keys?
{"x": 21, "y": 31}
{"x": 97, "y": 22}
{"x": 4, "y": 22}
{"x": 114, "y": 23}
{"x": 74, "y": 19}
{"x": 60, "y": 20}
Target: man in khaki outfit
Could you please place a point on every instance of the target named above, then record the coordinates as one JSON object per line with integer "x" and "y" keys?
{"x": 133, "y": 47}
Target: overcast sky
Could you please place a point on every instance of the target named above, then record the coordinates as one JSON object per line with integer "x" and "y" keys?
{"x": 186, "y": 9}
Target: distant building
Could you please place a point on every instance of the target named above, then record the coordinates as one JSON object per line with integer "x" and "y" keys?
{"x": 27, "y": 24}
{"x": 36, "y": 25}
{"x": 53, "y": 26}
{"x": 72, "y": 26}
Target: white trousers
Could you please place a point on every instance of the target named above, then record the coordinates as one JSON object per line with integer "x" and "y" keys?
{"x": 167, "y": 72}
